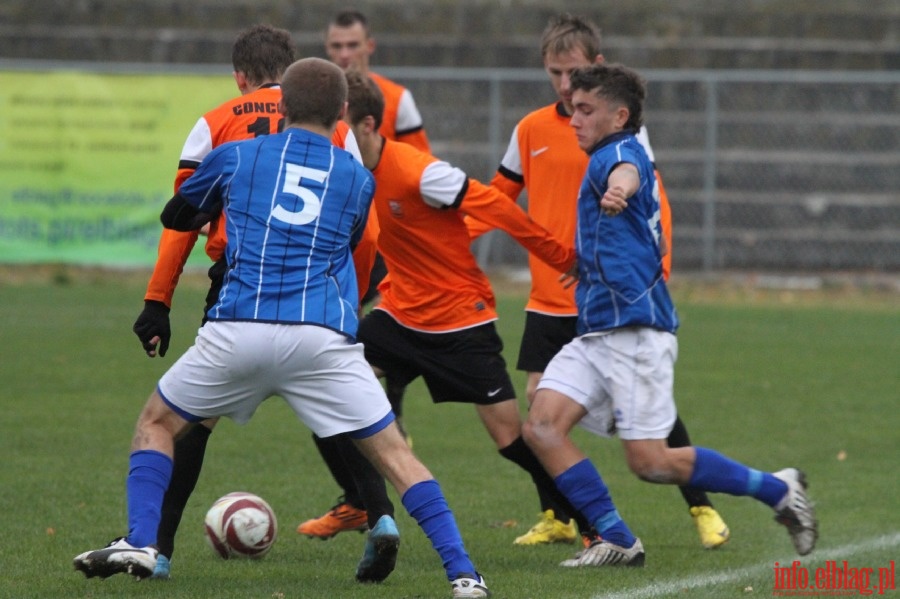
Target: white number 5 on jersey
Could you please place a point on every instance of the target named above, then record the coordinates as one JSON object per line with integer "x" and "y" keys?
{"x": 294, "y": 175}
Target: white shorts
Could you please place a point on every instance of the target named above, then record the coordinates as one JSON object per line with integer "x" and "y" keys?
{"x": 234, "y": 366}
{"x": 624, "y": 379}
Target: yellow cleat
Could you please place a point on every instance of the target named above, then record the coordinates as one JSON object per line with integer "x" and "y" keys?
{"x": 549, "y": 530}
{"x": 712, "y": 529}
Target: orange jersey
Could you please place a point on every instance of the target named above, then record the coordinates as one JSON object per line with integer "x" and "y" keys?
{"x": 401, "y": 120}
{"x": 544, "y": 158}
{"x": 665, "y": 221}
{"x": 364, "y": 254}
{"x": 434, "y": 283}
{"x": 244, "y": 117}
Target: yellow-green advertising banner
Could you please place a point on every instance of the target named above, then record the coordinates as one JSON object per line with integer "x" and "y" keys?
{"x": 87, "y": 161}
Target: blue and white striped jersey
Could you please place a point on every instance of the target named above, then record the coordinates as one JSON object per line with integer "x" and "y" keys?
{"x": 294, "y": 205}
{"x": 619, "y": 262}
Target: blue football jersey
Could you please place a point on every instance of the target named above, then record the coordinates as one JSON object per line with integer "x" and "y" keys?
{"x": 619, "y": 261}
{"x": 294, "y": 206}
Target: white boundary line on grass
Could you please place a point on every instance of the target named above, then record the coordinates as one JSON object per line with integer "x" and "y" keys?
{"x": 678, "y": 586}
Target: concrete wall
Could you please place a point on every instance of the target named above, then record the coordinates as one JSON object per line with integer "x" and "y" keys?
{"x": 822, "y": 34}
{"x": 807, "y": 175}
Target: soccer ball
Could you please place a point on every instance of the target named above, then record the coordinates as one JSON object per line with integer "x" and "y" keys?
{"x": 241, "y": 525}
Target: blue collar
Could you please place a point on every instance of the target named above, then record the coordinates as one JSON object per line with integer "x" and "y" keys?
{"x": 610, "y": 139}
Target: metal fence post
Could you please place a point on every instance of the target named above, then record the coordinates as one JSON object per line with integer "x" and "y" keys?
{"x": 709, "y": 175}
{"x": 484, "y": 246}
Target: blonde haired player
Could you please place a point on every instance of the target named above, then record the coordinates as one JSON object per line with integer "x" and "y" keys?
{"x": 543, "y": 158}
{"x": 616, "y": 377}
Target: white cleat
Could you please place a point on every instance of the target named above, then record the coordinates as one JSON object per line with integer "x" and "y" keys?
{"x": 469, "y": 585}
{"x": 796, "y": 511}
{"x": 119, "y": 557}
{"x": 604, "y": 553}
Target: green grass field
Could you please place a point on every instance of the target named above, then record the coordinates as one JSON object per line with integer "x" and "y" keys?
{"x": 815, "y": 384}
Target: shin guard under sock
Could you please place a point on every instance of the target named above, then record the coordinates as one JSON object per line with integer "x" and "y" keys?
{"x": 149, "y": 474}
{"x": 425, "y": 502}
{"x": 520, "y": 454}
{"x": 678, "y": 437}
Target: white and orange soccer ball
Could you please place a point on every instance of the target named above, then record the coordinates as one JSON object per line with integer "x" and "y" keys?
{"x": 241, "y": 525}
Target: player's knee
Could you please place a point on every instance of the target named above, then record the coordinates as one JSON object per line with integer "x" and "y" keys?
{"x": 538, "y": 434}
{"x": 652, "y": 467}
{"x": 528, "y": 433}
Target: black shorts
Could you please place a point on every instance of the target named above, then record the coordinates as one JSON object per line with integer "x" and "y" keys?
{"x": 543, "y": 337}
{"x": 464, "y": 366}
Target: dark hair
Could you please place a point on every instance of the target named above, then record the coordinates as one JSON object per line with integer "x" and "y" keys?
{"x": 262, "y": 53}
{"x": 313, "y": 90}
{"x": 349, "y": 18}
{"x": 364, "y": 98}
{"x": 616, "y": 83}
{"x": 565, "y": 32}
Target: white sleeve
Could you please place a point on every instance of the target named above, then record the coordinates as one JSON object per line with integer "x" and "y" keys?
{"x": 408, "y": 117}
{"x": 441, "y": 184}
{"x": 645, "y": 141}
{"x": 512, "y": 160}
{"x": 198, "y": 143}
{"x": 351, "y": 146}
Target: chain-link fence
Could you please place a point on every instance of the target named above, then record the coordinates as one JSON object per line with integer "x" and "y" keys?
{"x": 766, "y": 170}
{"x": 770, "y": 170}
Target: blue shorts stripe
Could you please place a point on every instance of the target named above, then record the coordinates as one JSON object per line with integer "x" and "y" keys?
{"x": 373, "y": 428}
{"x": 186, "y": 415}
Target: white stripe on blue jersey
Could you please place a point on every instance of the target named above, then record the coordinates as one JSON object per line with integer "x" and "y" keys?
{"x": 293, "y": 205}
{"x": 619, "y": 262}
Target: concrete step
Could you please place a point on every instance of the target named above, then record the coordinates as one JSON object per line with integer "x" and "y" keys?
{"x": 796, "y": 251}
{"x": 786, "y": 34}
{"x": 179, "y": 45}
{"x": 789, "y": 131}
{"x": 662, "y": 20}
{"x": 793, "y": 172}
{"x": 828, "y": 212}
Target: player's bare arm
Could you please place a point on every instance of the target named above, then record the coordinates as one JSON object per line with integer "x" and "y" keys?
{"x": 622, "y": 183}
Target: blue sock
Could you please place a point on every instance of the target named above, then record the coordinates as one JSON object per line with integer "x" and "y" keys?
{"x": 426, "y": 503}
{"x": 585, "y": 489}
{"x": 719, "y": 474}
{"x": 148, "y": 478}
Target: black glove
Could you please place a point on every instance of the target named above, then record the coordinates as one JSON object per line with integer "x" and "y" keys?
{"x": 153, "y": 322}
